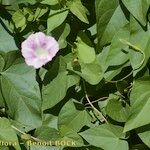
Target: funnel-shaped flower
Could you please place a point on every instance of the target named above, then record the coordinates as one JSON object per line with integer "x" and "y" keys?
{"x": 38, "y": 49}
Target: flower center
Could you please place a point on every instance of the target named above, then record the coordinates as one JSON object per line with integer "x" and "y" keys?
{"x": 40, "y": 52}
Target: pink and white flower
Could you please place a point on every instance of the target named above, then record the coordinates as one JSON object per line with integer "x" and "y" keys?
{"x": 38, "y": 49}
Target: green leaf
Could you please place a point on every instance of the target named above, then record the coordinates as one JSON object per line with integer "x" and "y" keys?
{"x": 19, "y": 19}
{"x": 92, "y": 73}
{"x": 42, "y": 133}
{"x": 61, "y": 34}
{"x": 82, "y": 148}
{"x": 93, "y": 30}
{"x": 4, "y": 148}
{"x": 62, "y": 39}
{"x": 10, "y": 58}
{"x": 60, "y": 81}
{"x": 108, "y": 73}
{"x": 117, "y": 111}
{"x": 45, "y": 148}
{"x": 85, "y": 53}
{"x": 50, "y": 121}
{"x": 2, "y": 62}
{"x": 7, "y": 2}
{"x": 57, "y": 67}
{"x": 108, "y": 13}
{"x": 26, "y": 1}
{"x": 55, "y": 91}
{"x": 11, "y": 2}
{"x": 113, "y": 26}
{"x": 6, "y": 38}
{"x": 102, "y": 135}
{"x": 144, "y": 134}
{"x": 55, "y": 19}
{"x": 72, "y": 80}
{"x": 70, "y": 135}
{"x": 40, "y": 11}
{"x": 104, "y": 15}
{"x": 140, "y": 103}
{"x": 78, "y": 10}
{"x": 139, "y": 44}
{"x": 50, "y": 2}
{"x": 2, "y": 104}
{"x": 55, "y": 137}
{"x": 117, "y": 53}
{"x": 7, "y": 133}
{"x": 27, "y": 12}
{"x": 71, "y": 115}
{"x": 22, "y": 94}
{"x": 138, "y": 9}
{"x": 2, "y": 101}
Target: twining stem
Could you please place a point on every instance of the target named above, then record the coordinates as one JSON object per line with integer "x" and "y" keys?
{"x": 90, "y": 103}
{"x": 35, "y": 139}
{"x": 95, "y": 109}
{"x": 135, "y": 48}
{"x": 100, "y": 99}
{"x": 121, "y": 79}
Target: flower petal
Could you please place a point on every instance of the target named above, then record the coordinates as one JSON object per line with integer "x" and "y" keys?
{"x": 38, "y": 49}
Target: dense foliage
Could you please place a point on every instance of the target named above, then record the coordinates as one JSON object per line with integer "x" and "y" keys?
{"x": 95, "y": 92}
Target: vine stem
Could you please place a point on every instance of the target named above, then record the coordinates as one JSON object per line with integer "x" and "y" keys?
{"x": 95, "y": 109}
{"x": 90, "y": 103}
{"x": 120, "y": 79}
{"x": 35, "y": 139}
{"x": 100, "y": 99}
